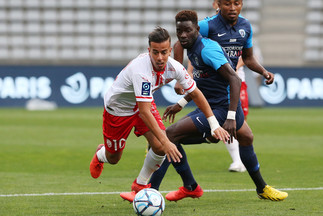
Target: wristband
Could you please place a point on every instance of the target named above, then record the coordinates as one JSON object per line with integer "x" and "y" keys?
{"x": 182, "y": 102}
{"x": 214, "y": 124}
{"x": 231, "y": 115}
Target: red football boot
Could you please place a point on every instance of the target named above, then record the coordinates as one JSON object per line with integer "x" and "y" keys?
{"x": 183, "y": 193}
{"x": 135, "y": 188}
{"x": 96, "y": 166}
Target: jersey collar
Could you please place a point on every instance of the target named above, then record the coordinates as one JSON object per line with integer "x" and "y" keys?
{"x": 159, "y": 72}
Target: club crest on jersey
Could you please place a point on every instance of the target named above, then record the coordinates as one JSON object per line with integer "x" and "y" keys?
{"x": 145, "y": 90}
{"x": 196, "y": 60}
{"x": 242, "y": 33}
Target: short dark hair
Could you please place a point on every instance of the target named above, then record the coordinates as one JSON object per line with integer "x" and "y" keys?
{"x": 187, "y": 15}
{"x": 159, "y": 35}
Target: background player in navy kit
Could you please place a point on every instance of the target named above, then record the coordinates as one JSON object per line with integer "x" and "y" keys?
{"x": 212, "y": 76}
{"x": 234, "y": 34}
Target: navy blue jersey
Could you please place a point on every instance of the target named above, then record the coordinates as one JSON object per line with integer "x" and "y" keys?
{"x": 232, "y": 38}
{"x": 207, "y": 56}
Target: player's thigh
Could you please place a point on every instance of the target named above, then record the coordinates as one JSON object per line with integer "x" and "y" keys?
{"x": 244, "y": 135}
{"x": 116, "y": 130}
{"x": 140, "y": 126}
{"x": 182, "y": 129}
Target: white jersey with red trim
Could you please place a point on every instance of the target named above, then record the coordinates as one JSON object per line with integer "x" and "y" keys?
{"x": 138, "y": 81}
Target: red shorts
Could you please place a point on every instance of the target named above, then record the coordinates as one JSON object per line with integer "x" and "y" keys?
{"x": 244, "y": 99}
{"x": 116, "y": 129}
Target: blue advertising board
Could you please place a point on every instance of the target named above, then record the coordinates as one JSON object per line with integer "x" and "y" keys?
{"x": 64, "y": 85}
{"x": 294, "y": 87}
{"x": 86, "y": 86}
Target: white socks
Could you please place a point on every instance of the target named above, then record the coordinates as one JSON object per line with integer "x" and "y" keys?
{"x": 151, "y": 164}
{"x": 233, "y": 149}
{"x": 101, "y": 155}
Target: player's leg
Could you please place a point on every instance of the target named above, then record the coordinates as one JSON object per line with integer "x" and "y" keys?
{"x": 194, "y": 128}
{"x": 154, "y": 157}
{"x": 158, "y": 176}
{"x": 114, "y": 142}
{"x": 233, "y": 148}
{"x": 251, "y": 163}
{"x": 184, "y": 129}
{"x": 151, "y": 163}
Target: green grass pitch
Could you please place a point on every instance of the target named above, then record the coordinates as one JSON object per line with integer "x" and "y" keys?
{"x": 45, "y": 156}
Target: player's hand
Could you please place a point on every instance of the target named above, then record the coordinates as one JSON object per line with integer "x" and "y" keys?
{"x": 170, "y": 112}
{"x": 230, "y": 126}
{"x": 221, "y": 134}
{"x": 179, "y": 89}
{"x": 269, "y": 77}
{"x": 172, "y": 152}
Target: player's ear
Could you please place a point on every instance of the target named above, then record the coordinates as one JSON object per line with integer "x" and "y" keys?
{"x": 170, "y": 51}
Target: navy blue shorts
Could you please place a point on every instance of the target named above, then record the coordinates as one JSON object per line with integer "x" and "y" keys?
{"x": 220, "y": 113}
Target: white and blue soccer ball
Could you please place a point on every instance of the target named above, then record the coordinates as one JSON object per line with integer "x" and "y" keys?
{"x": 149, "y": 201}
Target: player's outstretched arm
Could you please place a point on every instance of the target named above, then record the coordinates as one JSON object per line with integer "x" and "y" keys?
{"x": 168, "y": 147}
{"x": 252, "y": 63}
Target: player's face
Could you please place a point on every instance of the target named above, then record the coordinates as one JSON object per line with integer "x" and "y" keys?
{"x": 230, "y": 10}
{"x": 159, "y": 53}
{"x": 187, "y": 33}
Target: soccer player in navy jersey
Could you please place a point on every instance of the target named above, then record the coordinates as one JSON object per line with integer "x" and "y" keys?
{"x": 218, "y": 82}
{"x": 234, "y": 33}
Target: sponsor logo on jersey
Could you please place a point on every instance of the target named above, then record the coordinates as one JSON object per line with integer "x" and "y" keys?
{"x": 233, "y": 51}
{"x": 145, "y": 90}
{"x": 200, "y": 74}
{"x": 220, "y": 35}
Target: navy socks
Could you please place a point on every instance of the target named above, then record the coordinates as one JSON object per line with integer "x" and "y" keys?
{"x": 250, "y": 161}
{"x": 159, "y": 174}
{"x": 182, "y": 168}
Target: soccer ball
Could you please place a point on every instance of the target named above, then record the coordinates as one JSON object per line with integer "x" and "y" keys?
{"x": 149, "y": 201}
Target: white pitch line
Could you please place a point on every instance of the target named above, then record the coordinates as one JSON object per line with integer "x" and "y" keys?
{"x": 116, "y": 192}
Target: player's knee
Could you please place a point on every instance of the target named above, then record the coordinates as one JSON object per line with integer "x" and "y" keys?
{"x": 158, "y": 150}
{"x": 113, "y": 161}
{"x": 170, "y": 133}
{"x": 246, "y": 139}
{"x": 113, "y": 158}
{"x": 211, "y": 139}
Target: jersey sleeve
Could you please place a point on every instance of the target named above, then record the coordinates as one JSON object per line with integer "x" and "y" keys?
{"x": 248, "y": 43}
{"x": 142, "y": 88}
{"x": 213, "y": 55}
{"x": 204, "y": 27}
{"x": 185, "y": 79}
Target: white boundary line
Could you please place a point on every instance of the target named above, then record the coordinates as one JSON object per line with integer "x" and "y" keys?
{"x": 110, "y": 193}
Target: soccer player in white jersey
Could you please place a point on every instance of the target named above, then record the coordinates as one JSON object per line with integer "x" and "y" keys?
{"x": 129, "y": 103}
